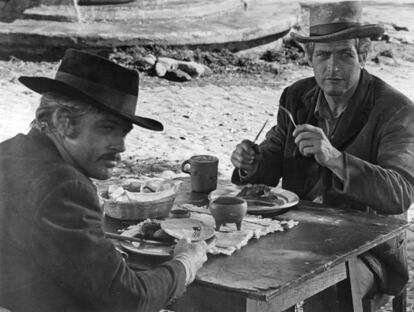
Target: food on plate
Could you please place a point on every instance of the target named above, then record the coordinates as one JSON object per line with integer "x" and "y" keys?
{"x": 260, "y": 192}
{"x": 152, "y": 230}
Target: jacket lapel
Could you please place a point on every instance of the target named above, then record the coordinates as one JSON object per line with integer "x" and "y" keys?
{"x": 305, "y": 112}
{"x": 356, "y": 114}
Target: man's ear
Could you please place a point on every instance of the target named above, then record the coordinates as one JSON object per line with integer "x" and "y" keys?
{"x": 62, "y": 123}
{"x": 308, "y": 58}
{"x": 362, "y": 57}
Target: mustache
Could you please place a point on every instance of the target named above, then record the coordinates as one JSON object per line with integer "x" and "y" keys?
{"x": 111, "y": 157}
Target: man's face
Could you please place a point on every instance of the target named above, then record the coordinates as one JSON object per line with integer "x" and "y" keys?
{"x": 336, "y": 66}
{"x": 98, "y": 143}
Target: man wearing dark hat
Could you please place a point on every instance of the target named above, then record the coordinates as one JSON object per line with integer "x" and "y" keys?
{"x": 353, "y": 146}
{"x": 54, "y": 255}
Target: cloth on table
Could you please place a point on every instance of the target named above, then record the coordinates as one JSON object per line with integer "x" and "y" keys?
{"x": 228, "y": 239}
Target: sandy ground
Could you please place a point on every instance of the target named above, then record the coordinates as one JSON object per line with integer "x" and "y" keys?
{"x": 210, "y": 117}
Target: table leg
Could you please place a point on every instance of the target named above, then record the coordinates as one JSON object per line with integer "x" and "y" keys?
{"x": 352, "y": 273}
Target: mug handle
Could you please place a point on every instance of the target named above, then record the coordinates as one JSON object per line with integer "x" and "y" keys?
{"x": 187, "y": 162}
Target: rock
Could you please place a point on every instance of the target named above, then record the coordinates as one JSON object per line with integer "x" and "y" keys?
{"x": 194, "y": 69}
{"x": 177, "y": 75}
{"x": 399, "y": 28}
{"x": 385, "y": 60}
{"x": 145, "y": 63}
{"x": 165, "y": 64}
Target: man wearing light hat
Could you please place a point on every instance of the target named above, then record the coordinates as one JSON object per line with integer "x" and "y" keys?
{"x": 353, "y": 147}
{"x": 54, "y": 254}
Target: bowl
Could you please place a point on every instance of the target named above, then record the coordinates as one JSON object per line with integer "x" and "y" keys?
{"x": 137, "y": 203}
{"x": 227, "y": 209}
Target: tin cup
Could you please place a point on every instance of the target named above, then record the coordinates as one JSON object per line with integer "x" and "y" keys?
{"x": 203, "y": 170}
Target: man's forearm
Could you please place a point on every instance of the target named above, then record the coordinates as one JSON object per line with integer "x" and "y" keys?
{"x": 386, "y": 190}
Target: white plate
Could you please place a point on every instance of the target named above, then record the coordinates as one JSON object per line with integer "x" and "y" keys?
{"x": 289, "y": 198}
{"x": 146, "y": 248}
{"x": 195, "y": 230}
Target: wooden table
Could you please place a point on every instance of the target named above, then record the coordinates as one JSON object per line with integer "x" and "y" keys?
{"x": 284, "y": 268}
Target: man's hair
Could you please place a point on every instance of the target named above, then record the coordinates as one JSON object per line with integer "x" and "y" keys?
{"x": 52, "y": 105}
{"x": 363, "y": 46}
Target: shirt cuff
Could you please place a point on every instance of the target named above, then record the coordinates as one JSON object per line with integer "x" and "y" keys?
{"x": 189, "y": 276}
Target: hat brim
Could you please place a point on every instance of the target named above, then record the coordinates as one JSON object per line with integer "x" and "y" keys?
{"x": 371, "y": 31}
{"x": 44, "y": 84}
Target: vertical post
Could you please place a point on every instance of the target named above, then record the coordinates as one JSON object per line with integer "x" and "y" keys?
{"x": 353, "y": 281}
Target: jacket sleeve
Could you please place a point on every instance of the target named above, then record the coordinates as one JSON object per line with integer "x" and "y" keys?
{"x": 270, "y": 167}
{"x": 388, "y": 185}
{"x": 68, "y": 242}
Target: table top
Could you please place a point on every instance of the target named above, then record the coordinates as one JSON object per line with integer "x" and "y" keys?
{"x": 323, "y": 238}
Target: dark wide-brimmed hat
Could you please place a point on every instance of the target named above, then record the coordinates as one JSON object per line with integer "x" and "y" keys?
{"x": 333, "y": 21}
{"x": 97, "y": 80}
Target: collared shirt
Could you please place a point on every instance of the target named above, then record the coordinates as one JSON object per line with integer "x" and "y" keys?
{"x": 327, "y": 121}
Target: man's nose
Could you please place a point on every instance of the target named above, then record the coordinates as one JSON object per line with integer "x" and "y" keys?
{"x": 332, "y": 64}
{"x": 118, "y": 144}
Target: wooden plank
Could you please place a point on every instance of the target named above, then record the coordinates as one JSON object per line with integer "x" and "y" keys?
{"x": 353, "y": 281}
{"x": 261, "y": 268}
{"x": 293, "y": 294}
{"x": 202, "y": 298}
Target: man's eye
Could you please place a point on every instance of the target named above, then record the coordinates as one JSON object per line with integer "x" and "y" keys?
{"x": 108, "y": 128}
{"x": 322, "y": 54}
{"x": 347, "y": 54}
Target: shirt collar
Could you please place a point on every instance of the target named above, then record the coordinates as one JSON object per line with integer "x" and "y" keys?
{"x": 322, "y": 109}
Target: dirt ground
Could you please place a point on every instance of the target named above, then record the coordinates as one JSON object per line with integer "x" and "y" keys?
{"x": 211, "y": 115}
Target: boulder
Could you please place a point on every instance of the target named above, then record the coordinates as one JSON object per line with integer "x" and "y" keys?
{"x": 177, "y": 75}
{"x": 145, "y": 63}
{"x": 194, "y": 69}
{"x": 165, "y": 64}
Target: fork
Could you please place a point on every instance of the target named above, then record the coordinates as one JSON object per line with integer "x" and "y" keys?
{"x": 289, "y": 114}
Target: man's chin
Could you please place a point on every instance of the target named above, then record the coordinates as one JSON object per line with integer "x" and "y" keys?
{"x": 103, "y": 174}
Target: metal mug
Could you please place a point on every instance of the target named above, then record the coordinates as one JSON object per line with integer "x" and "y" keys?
{"x": 203, "y": 171}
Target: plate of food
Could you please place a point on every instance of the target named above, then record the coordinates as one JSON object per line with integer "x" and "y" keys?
{"x": 194, "y": 230}
{"x": 260, "y": 198}
{"x": 154, "y": 241}
{"x": 158, "y": 237}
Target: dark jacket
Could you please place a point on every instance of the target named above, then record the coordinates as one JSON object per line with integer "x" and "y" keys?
{"x": 53, "y": 253}
{"x": 375, "y": 134}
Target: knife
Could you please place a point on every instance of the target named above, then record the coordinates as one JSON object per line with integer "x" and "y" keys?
{"x": 136, "y": 239}
{"x": 257, "y": 136}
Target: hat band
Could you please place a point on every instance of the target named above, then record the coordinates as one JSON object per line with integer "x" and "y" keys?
{"x": 327, "y": 29}
{"x": 110, "y": 97}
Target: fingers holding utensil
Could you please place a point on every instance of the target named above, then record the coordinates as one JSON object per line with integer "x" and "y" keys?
{"x": 312, "y": 141}
{"x": 246, "y": 155}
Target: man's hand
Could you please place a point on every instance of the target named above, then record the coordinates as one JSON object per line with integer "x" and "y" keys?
{"x": 192, "y": 255}
{"x": 246, "y": 157}
{"x": 312, "y": 140}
